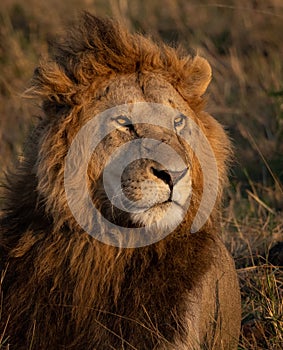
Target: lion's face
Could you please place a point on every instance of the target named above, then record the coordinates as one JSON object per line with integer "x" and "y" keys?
{"x": 151, "y": 158}
{"x": 140, "y": 173}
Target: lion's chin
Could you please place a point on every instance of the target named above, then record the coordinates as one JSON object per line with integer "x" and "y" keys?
{"x": 167, "y": 216}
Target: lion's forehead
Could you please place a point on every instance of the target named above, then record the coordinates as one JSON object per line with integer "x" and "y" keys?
{"x": 134, "y": 88}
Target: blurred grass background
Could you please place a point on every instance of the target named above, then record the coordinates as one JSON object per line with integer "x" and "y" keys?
{"x": 243, "y": 41}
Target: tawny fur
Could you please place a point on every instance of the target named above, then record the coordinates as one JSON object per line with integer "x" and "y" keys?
{"x": 62, "y": 289}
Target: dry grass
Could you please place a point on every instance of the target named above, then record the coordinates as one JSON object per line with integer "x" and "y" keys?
{"x": 243, "y": 42}
{"x": 262, "y": 291}
{"x": 249, "y": 231}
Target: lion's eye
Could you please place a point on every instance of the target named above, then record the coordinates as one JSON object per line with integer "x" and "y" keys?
{"x": 123, "y": 120}
{"x": 179, "y": 122}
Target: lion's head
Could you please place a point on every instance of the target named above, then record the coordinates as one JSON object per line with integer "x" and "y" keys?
{"x": 123, "y": 154}
{"x": 139, "y": 94}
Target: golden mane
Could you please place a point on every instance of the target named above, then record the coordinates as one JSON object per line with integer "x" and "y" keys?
{"x": 101, "y": 48}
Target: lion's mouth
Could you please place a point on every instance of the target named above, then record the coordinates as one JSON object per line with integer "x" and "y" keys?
{"x": 161, "y": 215}
{"x": 160, "y": 205}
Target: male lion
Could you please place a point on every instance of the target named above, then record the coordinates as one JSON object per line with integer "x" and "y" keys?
{"x": 89, "y": 265}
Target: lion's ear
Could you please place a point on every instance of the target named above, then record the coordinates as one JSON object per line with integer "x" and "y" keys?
{"x": 53, "y": 86}
{"x": 199, "y": 76}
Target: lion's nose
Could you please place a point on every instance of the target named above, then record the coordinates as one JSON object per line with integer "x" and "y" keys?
{"x": 169, "y": 177}
{"x": 178, "y": 175}
{"x": 164, "y": 175}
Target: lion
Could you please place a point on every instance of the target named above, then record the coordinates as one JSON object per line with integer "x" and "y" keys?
{"x": 89, "y": 265}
